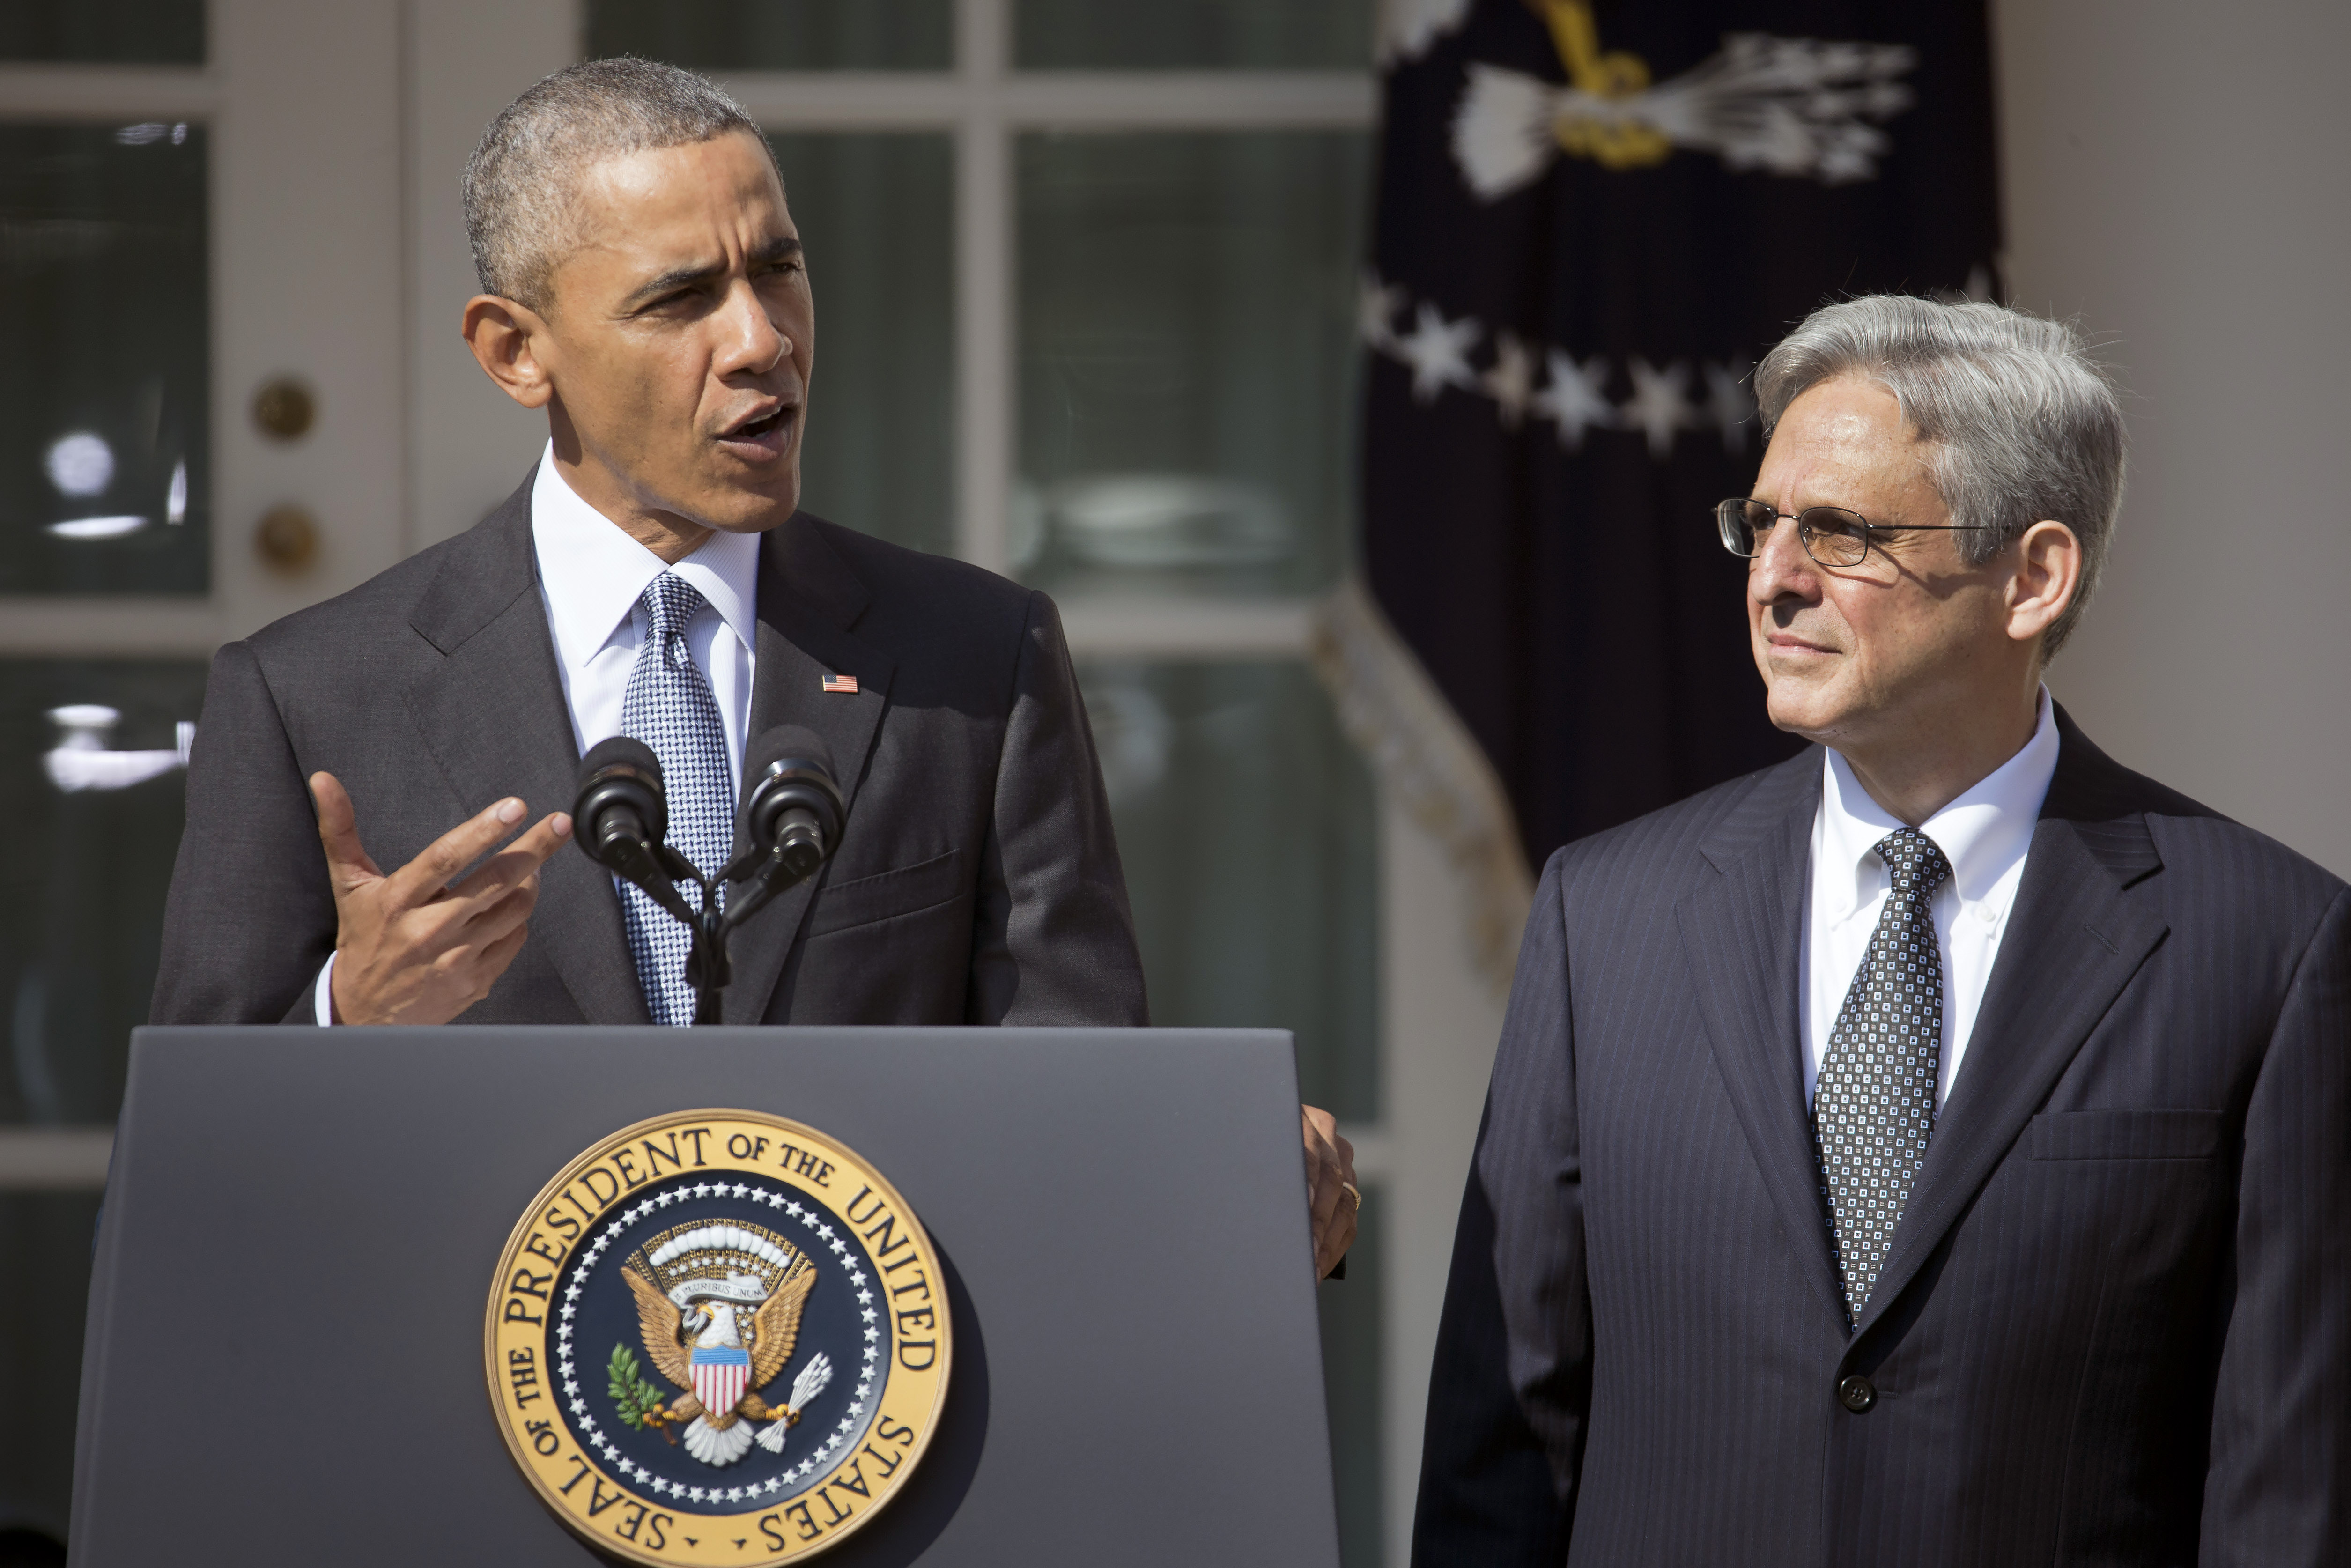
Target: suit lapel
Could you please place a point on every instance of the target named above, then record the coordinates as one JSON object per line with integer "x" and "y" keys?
{"x": 1740, "y": 934}
{"x": 492, "y": 715}
{"x": 2077, "y": 934}
{"x": 809, "y": 602}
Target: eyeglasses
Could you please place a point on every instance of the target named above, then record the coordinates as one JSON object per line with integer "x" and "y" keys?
{"x": 1830, "y": 535}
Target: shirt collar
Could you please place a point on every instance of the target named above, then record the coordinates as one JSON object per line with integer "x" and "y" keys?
{"x": 1983, "y": 833}
{"x": 594, "y": 573}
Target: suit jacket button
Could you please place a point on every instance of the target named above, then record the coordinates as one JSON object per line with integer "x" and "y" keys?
{"x": 1856, "y": 1395}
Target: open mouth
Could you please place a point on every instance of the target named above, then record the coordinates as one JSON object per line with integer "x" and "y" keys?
{"x": 767, "y": 434}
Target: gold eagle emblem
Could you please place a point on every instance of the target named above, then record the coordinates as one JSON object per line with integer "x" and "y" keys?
{"x": 719, "y": 1310}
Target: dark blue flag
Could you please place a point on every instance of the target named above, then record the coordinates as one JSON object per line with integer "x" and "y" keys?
{"x": 1592, "y": 219}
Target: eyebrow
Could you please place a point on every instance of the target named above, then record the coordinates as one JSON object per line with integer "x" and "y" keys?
{"x": 783, "y": 247}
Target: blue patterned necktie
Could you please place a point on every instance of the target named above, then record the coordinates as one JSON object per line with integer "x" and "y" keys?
{"x": 1874, "y": 1108}
{"x": 668, "y": 706}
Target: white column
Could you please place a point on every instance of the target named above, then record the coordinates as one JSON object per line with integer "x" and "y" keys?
{"x": 2174, "y": 174}
{"x": 307, "y": 271}
{"x": 469, "y": 443}
{"x": 985, "y": 384}
{"x": 1441, "y": 1022}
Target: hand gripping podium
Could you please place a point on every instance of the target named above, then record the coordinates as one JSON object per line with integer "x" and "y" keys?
{"x": 286, "y": 1358}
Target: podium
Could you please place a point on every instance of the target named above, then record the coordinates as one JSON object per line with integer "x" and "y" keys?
{"x": 284, "y": 1356}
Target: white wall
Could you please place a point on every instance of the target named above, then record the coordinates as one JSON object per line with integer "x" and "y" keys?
{"x": 2180, "y": 175}
{"x": 465, "y": 60}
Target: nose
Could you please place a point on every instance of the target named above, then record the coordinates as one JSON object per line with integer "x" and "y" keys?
{"x": 1780, "y": 569}
{"x": 752, "y": 343}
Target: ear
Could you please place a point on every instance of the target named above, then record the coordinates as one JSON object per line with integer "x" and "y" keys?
{"x": 511, "y": 341}
{"x": 2048, "y": 575}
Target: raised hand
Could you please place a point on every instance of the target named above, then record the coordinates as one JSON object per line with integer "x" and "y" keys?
{"x": 1333, "y": 1197}
{"x": 409, "y": 947}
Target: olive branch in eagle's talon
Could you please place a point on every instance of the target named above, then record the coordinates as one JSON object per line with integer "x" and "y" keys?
{"x": 640, "y": 1402}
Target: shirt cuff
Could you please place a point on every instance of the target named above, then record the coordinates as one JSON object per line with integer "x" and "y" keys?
{"x": 325, "y": 995}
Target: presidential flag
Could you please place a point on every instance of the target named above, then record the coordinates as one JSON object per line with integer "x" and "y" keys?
{"x": 1592, "y": 218}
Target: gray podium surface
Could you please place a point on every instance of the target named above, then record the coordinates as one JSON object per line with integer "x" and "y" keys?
{"x": 284, "y": 1352}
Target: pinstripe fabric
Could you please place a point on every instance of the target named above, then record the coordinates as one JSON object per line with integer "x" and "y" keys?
{"x": 2113, "y": 1322}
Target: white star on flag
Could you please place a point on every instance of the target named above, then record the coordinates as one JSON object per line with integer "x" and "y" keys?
{"x": 1659, "y": 405}
{"x": 1510, "y": 382}
{"x": 1572, "y": 400}
{"x": 1438, "y": 352}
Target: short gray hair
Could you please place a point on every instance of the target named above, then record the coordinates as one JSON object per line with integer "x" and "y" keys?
{"x": 2021, "y": 422}
{"x": 521, "y": 182}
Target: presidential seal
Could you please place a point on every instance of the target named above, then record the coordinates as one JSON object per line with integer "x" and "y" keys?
{"x": 717, "y": 1336}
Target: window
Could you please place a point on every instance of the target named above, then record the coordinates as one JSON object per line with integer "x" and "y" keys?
{"x": 105, "y": 474}
{"x": 105, "y": 459}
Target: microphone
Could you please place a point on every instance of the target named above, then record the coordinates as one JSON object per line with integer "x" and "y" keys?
{"x": 621, "y": 812}
{"x": 621, "y": 818}
{"x": 792, "y": 819}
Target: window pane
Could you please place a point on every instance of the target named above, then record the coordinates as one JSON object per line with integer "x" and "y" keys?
{"x": 777, "y": 35}
{"x": 1247, "y": 826}
{"x": 44, "y": 1293}
{"x": 1353, "y": 1328}
{"x": 1187, "y": 359}
{"x": 1292, "y": 34}
{"x": 877, "y": 214}
{"x": 104, "y": 476}
{"x": 81, "y": 899}
{"x": 112, "y": 32}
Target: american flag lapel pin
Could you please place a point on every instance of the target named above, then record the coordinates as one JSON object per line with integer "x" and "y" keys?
{"x": 847, "y": 683}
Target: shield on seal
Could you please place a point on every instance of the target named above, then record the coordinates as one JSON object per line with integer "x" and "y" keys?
{"x": 719, "y": 1374}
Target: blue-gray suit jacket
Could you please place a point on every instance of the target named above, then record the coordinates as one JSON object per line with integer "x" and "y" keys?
{"x": 977, "y": 879}
{"x": 2115, "y": 1325}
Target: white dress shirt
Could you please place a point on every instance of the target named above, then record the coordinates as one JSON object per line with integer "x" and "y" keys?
{"x": 592, "y": 576}
{"x": 1985, "y": 834}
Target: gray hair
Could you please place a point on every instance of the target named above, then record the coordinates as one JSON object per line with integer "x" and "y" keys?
{"x": 2022, "y": 423}
{"x": 521, "y": 181}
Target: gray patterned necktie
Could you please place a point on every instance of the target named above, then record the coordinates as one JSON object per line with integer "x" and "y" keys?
{"x": 668, "y": 706}
{"x": 1874, "y": 1108}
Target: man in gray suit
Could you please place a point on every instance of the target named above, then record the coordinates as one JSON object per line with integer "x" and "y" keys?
{"x": 1934, "y": 1150}
{"x": 643, "y": 284}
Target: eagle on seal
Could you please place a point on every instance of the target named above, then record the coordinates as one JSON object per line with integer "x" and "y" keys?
{"x": 722, "y": 1334}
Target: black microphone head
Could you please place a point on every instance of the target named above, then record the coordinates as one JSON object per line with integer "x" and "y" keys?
{"x": 622, "y": 802}
{"x": 614, "y": 748}
{"x": 790, "y": 744}
{"x": 794, "y": 805}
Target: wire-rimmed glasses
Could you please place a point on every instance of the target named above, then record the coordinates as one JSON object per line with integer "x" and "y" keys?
{"x": 1831, "y": 536}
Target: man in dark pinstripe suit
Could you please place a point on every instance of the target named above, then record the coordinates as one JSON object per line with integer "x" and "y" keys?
{"x": 1937, "y": 1149}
